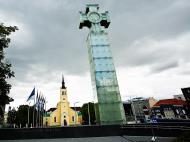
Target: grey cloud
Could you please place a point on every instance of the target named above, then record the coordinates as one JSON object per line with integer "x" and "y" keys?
{"x": 164, "y": 66}
{"x": 58, "y": 44}
{"x": 185, "y": 72}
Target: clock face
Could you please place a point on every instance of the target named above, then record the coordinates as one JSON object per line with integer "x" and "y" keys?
{"x": 94, "y": 17}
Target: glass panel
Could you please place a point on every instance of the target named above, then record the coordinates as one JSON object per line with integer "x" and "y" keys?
{"x": 104, "y": 81}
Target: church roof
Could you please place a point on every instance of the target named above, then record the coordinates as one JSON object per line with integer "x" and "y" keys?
{"x": 51, "y": 109}
{"x": 76, "y": 108}
{"x": 46, "y": 114}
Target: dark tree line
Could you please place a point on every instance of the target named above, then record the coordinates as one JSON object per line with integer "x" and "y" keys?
{"x": 20, "y": 117}
{"x": 5, "y": 68}
{"x": 88, "y": 110}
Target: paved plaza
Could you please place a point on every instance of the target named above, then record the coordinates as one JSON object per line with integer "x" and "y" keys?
{"x": 98, "y": 139}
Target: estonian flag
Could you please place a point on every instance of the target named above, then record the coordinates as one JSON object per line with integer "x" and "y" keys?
{"x": 32, "y": 95}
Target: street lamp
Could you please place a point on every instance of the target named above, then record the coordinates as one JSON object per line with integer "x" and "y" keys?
{"x": 75, "y": 111}
{"x": 44, "y": 113}
{"x": 88, "y": 114}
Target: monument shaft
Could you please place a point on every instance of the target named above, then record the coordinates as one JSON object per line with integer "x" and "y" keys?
{"x": 108, "y": 104}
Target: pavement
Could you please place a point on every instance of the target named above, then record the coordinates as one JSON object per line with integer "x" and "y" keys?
{"x": 99, "y": 139}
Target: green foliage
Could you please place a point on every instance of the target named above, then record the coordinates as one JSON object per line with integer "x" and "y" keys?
{"x": 85, "y": 115}
{"x": 11, "y": 119}
{"x": 4, "y": 40}
{"x": 5, "y": 68}
{"x": 22, "y": 115}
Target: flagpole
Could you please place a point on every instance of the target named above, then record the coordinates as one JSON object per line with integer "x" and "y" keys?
{"x": 43, "y": 111}
{"x": 29, "y": 98}
{"x": 36, "y": 106}
{"x": 33, "y": 109}
{"x": 42, "y": 116}
{"x": 37, "y": 117}
{"x": 39, "y": 110}
{"x": 28, "y": 115}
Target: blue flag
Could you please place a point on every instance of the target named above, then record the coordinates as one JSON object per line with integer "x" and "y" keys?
{"x": 32, "y": 95}
{"x": 38, "y": 102}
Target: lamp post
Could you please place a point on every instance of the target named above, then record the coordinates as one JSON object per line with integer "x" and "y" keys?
{"x": 89, "y": 114}
{"x": 75, "y": 111}
{"x": 45, "y": 109}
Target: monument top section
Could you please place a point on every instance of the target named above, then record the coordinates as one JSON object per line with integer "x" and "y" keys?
{"x": 92, "y": 16}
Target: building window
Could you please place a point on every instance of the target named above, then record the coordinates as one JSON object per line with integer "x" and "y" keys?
{"x": 73, "y": 118}
{"x": 63, "y": 93}
{"x": 64, "y": 116}
{"x": 54, "y": 119}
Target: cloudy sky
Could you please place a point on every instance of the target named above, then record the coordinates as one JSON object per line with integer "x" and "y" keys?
{"x": 150, "y": 42}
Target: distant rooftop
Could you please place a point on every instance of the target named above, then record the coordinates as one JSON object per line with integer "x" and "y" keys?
{"x": 51, "y": 109}
{"x": 76, "y": 108}
{"x": 170, "y": 102}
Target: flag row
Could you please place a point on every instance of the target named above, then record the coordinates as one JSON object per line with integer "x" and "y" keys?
{"x": 39, "y": 99}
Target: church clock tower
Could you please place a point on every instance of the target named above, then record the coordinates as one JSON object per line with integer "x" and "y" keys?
{"x": 64, "y": 105}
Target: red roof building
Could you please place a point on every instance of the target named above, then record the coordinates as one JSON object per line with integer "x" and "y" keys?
{"x": 170, "y": 102}
{"x": 170, "y": 109}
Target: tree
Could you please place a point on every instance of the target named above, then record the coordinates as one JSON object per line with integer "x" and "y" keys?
{"x": 11, "y": 119}
{"x": 5, "y": 68}
{"x": 85, "y": 115}
{"x": 22, "y": 115}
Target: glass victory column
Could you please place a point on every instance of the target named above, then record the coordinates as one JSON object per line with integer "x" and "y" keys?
{"x": 108, "y": 104}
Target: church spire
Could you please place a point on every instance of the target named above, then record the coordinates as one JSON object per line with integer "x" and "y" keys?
{"x": 63, "y": 83}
